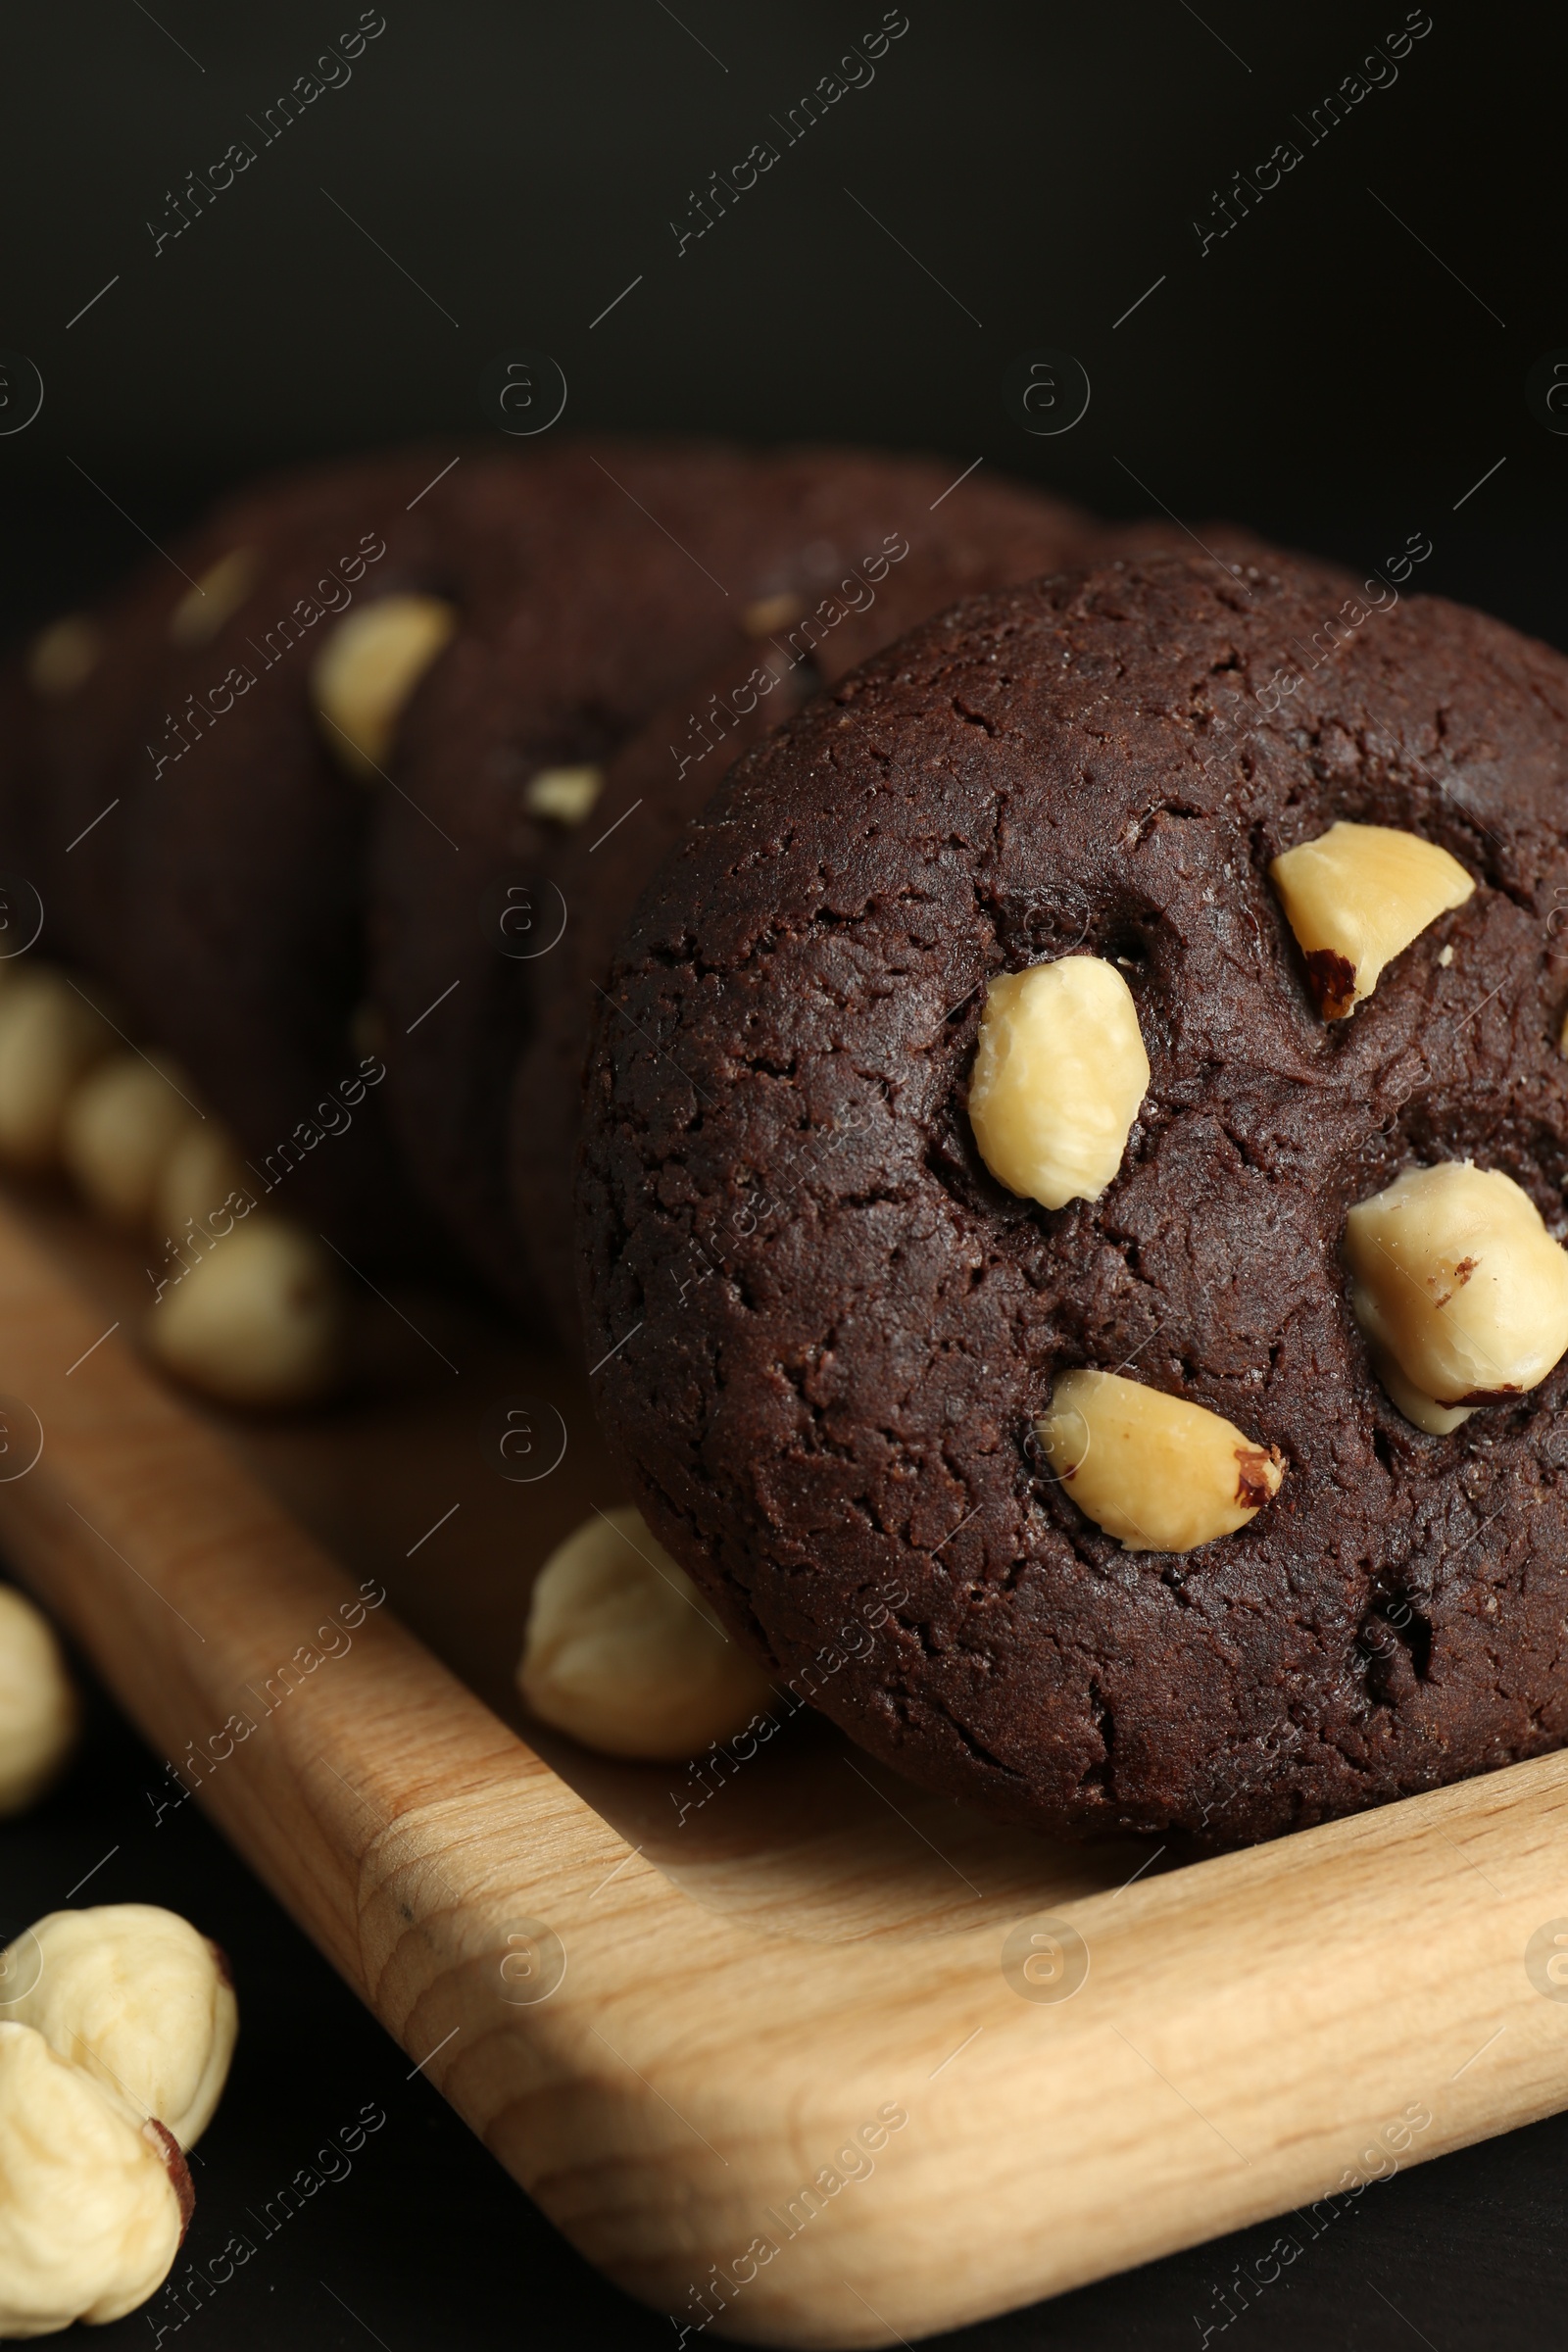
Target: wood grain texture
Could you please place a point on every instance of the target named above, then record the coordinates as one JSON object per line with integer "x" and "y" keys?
{"x": 744, "y": 1997}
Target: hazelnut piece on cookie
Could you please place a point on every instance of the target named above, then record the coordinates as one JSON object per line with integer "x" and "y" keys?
{"x": 1059, "y": 1075}
{"x": 1160, "y": 1473}
{"x": 1356, "y": 897}
{"x": 369, "y": 668}
{"x": 1459, "y": 1287}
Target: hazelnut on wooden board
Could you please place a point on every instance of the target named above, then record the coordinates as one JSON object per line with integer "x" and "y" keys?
{"x": 1456, "y": 1278}
{"x": 214, "y": 599}
{"x": 202, "y": 1173}
{"x": 136, "y": 1997}
{"x": 258, "y": 1321}
{"x": 623, "y": 1650}
{"x": 1153, "y": 1470}
{"x": 62, "y": 657}
{"x": 1058, "y": 1074}
{"x": 1356, "y": 897}
{"x": 39, "y": 1712}
{"x": 94, "y": 2201}
{"x": 565, "y": 795}
{"x": 119, "y": 1130}
{"x": 50, "y": 1038}
{"x": 367, "y": 670}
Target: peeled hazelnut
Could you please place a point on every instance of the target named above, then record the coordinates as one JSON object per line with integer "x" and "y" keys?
{"x": 214, "y": 599}
{"x": 1160, "y": 1473}
{"x": 565, "y": 794}
{"x": 62, "y": 657}
{"x": 258, "y": 1321}
{"x": 93, "y": 2202}
{"x": 367, "y": 670}
{"x": 1457, "y": 1281}
{"x": 140, "y": 2001}
{"x": 50, "y": 1038}
{"x": 1356, "y": 897}
{"x": 1059, "y": 1075}
{"x": 200, "y": 1176}
{"x": 623, "y": 1650}
{"x": 40, "y": 1715}
{"x": 119, "y": 1129}
{"x": 1438, "y": 1420}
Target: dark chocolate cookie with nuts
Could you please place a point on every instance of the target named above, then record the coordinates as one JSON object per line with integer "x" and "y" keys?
{"x": 658, "y": 784}
{"x": 1077, "y": 1137}
{"x": 664, "y": 560}
{"x": 199, "y": 826}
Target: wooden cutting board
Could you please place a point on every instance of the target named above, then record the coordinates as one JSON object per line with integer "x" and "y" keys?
{"x": 781, "y": 2043}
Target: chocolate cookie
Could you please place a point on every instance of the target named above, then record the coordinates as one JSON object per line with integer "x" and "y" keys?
{"x": 664, "y": 561}
{"x": 654, "y": 789}
{"x": 202, "y": 848}
{"x": 844, "y": 1363}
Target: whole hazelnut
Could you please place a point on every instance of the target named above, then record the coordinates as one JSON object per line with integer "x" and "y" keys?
{"x": 199, "y": 1177}
{"x": 1059, "y": 1073}
{"x": 259, "y": 1321}
{"x": 1459, "y": 1284}
{"x": 624, "y": 1652}
{"x": 93, "y": 2202}
{"x": 50, "y": 1038}
{"x": 141, "y": 2001}
{"x": 1160, "y": 1473}
{"x": 119, "y": 1129}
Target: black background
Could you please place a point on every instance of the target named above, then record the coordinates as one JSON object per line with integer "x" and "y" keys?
{"x": 1340, "y": 371}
